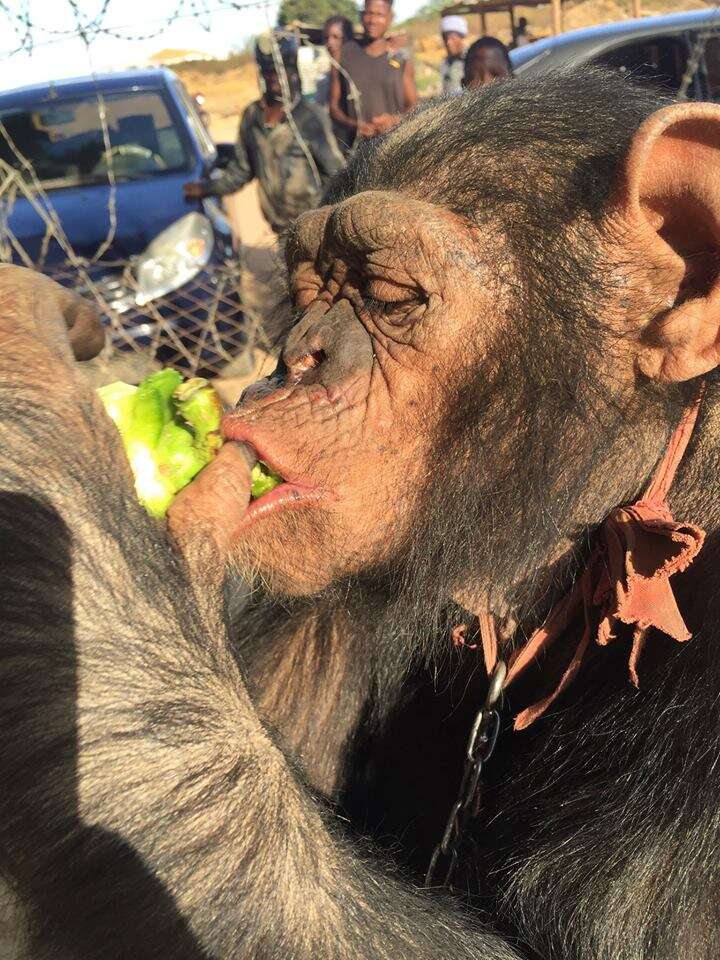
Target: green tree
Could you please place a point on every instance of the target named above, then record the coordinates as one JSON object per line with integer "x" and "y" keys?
{"x": 316, "y": 11}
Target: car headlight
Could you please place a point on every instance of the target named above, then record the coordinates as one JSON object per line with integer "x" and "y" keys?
{"x": 175, "y": 256}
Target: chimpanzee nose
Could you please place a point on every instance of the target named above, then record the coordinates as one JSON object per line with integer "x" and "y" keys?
{"x": 327, "y": 345}
{"x": 261, "y": 388}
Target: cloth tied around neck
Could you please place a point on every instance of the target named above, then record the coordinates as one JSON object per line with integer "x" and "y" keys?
{"x": 626, "y": 581}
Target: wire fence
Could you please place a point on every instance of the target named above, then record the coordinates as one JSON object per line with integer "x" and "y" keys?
{"x": 192, "y": 319}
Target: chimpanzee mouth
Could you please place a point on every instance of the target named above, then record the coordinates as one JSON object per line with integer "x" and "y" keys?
{"x": 270, "y": 490}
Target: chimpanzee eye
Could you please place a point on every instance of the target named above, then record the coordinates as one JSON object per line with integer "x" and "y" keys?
{"x": 397, "y": 312}
{"x": 387, "y": 292}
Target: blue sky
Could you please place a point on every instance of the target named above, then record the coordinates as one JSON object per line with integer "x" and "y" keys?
{"x": 58, "y": 53}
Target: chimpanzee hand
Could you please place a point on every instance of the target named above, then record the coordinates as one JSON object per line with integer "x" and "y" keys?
{"x": 33, "y": 304}
{"x": 207, "y": 513}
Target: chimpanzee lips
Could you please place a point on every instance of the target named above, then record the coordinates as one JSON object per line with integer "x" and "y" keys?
{"x": 236, "y": 431}
{"x": 290, "y": 492}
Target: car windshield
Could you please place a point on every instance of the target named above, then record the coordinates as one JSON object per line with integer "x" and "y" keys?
{"x": 64, "y": 141}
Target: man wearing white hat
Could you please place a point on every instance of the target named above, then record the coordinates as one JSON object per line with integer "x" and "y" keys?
{"x": 454, "y": 30}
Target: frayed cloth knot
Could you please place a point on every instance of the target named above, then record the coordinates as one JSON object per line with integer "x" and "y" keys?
{"x": 626, "y": 581}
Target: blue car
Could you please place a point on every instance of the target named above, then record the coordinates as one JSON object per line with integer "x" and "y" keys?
{"x": 91, "y": 176}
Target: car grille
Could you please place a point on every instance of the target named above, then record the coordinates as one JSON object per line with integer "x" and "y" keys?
{"x": 198, "y": 329}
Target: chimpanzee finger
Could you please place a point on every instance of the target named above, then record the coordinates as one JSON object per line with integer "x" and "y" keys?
{"x": 85, "y": 330}
{"x": 34, "y": 303}
{"x": 211, "y": 508}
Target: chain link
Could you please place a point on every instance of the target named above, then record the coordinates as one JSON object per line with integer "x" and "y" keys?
{"x": 480, "y": 747}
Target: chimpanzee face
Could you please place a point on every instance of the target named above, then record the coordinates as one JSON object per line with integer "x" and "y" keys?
{"x": 390, "y": 296}
{"x": 476, "y": 348}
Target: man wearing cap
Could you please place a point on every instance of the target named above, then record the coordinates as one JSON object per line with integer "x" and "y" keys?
{"x": 454, "y": 30}
{"x": 284, "y": 142}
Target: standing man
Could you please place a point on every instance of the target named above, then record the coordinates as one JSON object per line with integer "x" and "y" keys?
{"x": 454, "y": 30}
{"x": 286, "y": 145}
{"x": 336, "y": 32}
{"x": 382, "y": 83}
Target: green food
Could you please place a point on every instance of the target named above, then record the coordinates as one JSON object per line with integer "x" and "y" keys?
{"x": 262, "y": 480}
{"x": 200, "y": 407}
{"x": 170, "y": 431}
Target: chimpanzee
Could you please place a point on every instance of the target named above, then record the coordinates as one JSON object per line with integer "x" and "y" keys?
{"x": 497, "y": 417}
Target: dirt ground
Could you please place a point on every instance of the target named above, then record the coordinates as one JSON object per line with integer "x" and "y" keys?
{"x": 261, "y": 290}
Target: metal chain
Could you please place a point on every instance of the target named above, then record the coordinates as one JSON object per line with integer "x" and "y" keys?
{"x": 480, "y": 747}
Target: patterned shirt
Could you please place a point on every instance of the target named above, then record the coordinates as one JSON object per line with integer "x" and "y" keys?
{"x": 451, "y": 74}
{"x": 274, "y": 155}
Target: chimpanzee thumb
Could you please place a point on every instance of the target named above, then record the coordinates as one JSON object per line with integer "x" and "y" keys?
{"x": 30, "y": 301}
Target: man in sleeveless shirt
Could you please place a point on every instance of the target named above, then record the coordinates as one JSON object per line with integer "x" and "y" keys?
{"x": 382, "y": 82}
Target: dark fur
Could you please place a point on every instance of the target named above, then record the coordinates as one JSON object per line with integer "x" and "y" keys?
{"x": 192, "y": 829}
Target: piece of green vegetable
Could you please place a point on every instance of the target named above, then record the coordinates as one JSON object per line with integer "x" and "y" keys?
{"x": 262, "y": 480}
{"x": 119, "y": 401}
{"x": 178, "y": 457}
{"x": 200, "y": 407}
{"x": 169, "y": 433}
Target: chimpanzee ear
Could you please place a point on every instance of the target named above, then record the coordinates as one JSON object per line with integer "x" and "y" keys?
{"x": 669, "y": 199}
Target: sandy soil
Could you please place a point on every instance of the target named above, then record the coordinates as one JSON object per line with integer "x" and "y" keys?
{"x": 262, "y": 291}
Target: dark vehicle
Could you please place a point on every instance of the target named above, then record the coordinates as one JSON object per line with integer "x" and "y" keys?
{"x": 679, "y": 52}
{"x": 98, "y": 204}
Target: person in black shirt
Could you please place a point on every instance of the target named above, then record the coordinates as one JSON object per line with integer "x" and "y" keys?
{"x": 337, "y": 31}
{"x": 289, "y": 148}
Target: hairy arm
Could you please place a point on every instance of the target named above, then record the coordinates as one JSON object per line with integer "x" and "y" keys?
{"x": 145, "y": 810}
{"x": 309, "y": 681}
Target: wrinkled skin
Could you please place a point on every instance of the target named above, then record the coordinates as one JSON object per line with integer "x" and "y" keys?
{"x": 390, "y": 293}
{"x": 346, "y": 427}
{"x": 165, "y": 782}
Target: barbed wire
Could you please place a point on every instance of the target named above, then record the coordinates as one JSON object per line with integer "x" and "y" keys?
{"x": 90, "y": 28}
{"x": 223, "y": 333}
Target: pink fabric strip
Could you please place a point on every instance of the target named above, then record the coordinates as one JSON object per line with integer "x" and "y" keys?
{"x": 626, "y": 581}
